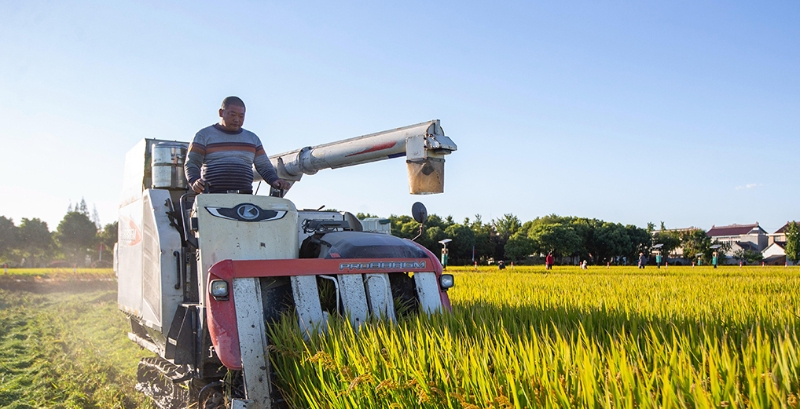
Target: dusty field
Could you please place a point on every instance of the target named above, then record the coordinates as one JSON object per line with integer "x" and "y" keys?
{"x": 63, "y": 344}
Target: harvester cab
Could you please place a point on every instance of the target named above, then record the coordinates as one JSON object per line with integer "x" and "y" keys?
{"x": 202, "y": 276}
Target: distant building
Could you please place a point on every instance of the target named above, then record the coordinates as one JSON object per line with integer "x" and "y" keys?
{"x": 739, "y": 248}
{"x": 775, "y": 254}
{"x": 740, "y": 237}
{"x": 780, "y": 235}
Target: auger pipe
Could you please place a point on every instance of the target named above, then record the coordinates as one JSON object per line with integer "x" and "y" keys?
{"x": 418, "y": 143}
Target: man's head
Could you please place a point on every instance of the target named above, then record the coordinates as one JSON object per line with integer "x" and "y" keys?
{"x": 232, "y": 114}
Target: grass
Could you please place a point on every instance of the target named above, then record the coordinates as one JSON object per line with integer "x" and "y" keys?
{"x": 63, "y": 350}
{"x": 55, "y": 272}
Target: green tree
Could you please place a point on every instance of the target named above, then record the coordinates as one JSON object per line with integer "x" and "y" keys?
{"x": 560, "y": 239}
{"x": 669, "y": 240}
{"x": 461, "y": 246}
{"x": 431, "y": 237}
{"x": 640, "y": 241}
{"x": 108, "y": 237}
{"x": 404, "y": 226}
{"x": 506, "y": 226}
{"x": 588, "y": 248}
{"x": 793, "y": 242}
{"x": 519, "y": 246}
{"x": 435, "y": 227}
{"x": 8, "y": 235}
{"x": 612, "y": 240}
{"x": 696, "y": 243}
{"x": 82, "y": 207}
{"x": 34, "y": 239}
{"x": 485, "y": 238}
{"x": 76, "y": 234}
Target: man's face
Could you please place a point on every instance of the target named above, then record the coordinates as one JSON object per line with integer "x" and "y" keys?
{"x": 232, "y": 117}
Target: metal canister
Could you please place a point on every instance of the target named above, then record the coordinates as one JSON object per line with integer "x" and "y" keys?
{"x": 167, "y": 165}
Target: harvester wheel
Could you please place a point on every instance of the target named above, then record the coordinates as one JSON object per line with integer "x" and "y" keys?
{"x": 212, "y": 398}
{"x": 156, "y": 377}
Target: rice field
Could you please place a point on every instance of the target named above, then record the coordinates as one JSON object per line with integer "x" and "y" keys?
{"x": 524, "y": 338}
{"x": 600, "y": 338}
{"x": 66, "y": 349}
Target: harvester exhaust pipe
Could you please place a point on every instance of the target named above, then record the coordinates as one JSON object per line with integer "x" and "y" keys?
{"x": 424, "y": 145}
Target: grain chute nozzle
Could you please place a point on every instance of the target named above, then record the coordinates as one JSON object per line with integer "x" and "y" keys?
{"x": 426, "y": 176}
{"x": 425, "y": 154}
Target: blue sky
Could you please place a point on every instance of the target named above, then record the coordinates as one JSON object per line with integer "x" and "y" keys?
{"x": 631, "y": 112}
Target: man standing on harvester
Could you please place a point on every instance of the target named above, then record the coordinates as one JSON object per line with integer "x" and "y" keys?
{"x": 221, "y": 156}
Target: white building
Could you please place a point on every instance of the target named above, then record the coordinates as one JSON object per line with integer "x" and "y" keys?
{"x": 739, "y": 234}
{"x": 775, "y": 254}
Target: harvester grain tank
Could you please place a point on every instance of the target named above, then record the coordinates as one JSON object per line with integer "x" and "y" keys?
{"x": 200, "y": 276}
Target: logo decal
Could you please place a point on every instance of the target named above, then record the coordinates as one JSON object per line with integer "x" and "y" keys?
{"x": 129, "y": 232}
{"x": 383, "y": 265}
{"x": 246, "y": 212}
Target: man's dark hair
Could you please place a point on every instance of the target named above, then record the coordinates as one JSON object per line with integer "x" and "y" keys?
{"x": 232, "y": 101}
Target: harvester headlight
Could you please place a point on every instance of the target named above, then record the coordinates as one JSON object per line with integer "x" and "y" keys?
{"x": 447, "y": 281}
{"x": 219, "y": 289}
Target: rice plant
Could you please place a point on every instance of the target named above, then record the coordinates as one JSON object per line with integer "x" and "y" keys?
{"x": 605, "y": 338}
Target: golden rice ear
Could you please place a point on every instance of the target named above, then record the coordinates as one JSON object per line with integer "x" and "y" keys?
{"x": 570, "y": 338}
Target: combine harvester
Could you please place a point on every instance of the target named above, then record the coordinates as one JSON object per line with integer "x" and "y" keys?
{"x": 201, "y": 276}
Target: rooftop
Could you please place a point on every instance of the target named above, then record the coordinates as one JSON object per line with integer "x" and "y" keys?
{"x": 783, "y": 229}
{"x": 733, "y": 230}
{"x": 746, "y": 245}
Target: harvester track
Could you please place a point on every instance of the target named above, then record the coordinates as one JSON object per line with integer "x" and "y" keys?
{"x": 163, "y": 382}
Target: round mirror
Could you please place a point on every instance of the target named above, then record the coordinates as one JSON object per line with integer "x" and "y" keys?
{"x": 419, "y": 212}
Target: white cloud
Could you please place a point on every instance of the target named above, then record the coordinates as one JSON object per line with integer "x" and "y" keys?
{"x": 747, "y": 186}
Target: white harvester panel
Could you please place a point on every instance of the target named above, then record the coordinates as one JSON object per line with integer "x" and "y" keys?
{"x": 253, "y": 341}
{"x": 244, "y": 227}
{"x": 354, "y": 298}
{"x": 379, "y": 295}
{"x": 428, "y": 292}
{"x": 148, "y": 265}
{"x": 306, "y": 299}
{"x": 129, "y": 257}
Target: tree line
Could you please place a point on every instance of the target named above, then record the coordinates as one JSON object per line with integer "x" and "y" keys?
{"x": 570, "y": 239}
{"x": 507, "y": 238}
{"x": 79, "y": 239}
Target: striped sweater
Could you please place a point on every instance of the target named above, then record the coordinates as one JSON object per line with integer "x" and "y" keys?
{"x": 225, "y": 159}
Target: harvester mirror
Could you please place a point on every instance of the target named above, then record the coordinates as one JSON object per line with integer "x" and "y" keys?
{"x": 419, "y": 212}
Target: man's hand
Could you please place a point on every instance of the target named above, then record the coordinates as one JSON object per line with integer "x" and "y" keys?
{"x": 281, "y": 184}
{"x": 199, "y": 186}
